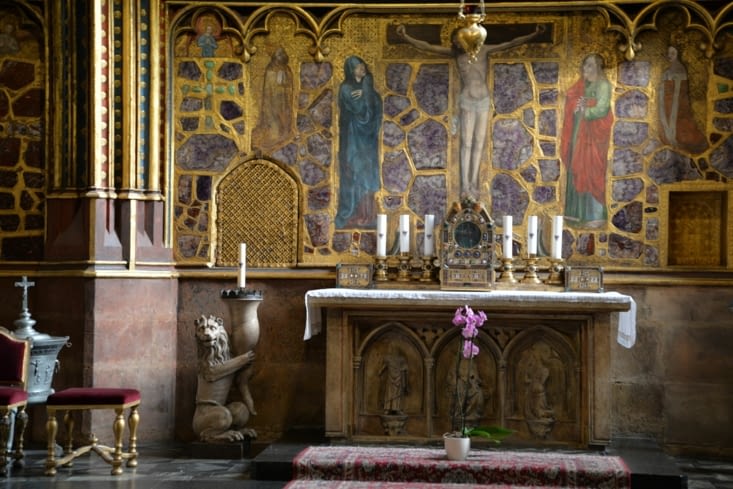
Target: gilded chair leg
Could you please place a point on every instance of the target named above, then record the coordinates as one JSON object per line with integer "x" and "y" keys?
{"x": 69, "y": 427}
{"x": 133, "y": 420}
{"x": 118, "y": 428}
{"x": 52, "y": 428}
{"x": 4, "y": 435}
{"x": 21, "y": 421}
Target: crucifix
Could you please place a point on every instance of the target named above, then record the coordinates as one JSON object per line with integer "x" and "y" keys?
{"x": 26, "y": 285}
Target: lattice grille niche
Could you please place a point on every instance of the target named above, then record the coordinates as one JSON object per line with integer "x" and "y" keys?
{"x": 257, "y": 204}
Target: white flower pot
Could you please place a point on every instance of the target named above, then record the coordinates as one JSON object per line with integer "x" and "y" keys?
{"x": 456, "y": 447}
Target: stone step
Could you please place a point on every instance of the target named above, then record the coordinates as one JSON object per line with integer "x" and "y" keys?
{"x": 325, "y": 484}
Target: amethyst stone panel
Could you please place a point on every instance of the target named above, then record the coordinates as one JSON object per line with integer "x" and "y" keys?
{"x": 626, "y": 190}
{"x": 320, "y": 112}
{"x": 548, "y": 148}
{"x": 310, "y": 173}
{"x": 528, "y": 117}
{"x": 341, "y": 241}
{"x": 203, "y": 188}
{"x": 230, "y": 71}
{"x": 319, "y": 198}
{"x": 428, "y": 196}
{"x": 287, "y": 154}
{"x": 634, "y": 73}
{"x": 724, "y": 125}
{"x": 189, "y": 124}
{"x": 428, "y": 143}
{"x": 543, "y": 194}
{"x": 633, "y": 104}
{"x": 724, "y": 106}
{"x": 10, "y": 151}
{"x": 548, "y": 123}
{"x": 668, "y": 166}
{"x": 622, "y": 247}
{"x": 548, "y": 96}
{"x": 317, "y": 226}
{"x": 652, "y": 229}
{"x": 314, "y": 75}
{"x": 512, "y": 144}
{"x": 410, "y": 117}
{"x": 529, "y": 174}
{"x": 392, "y": 134}
{"x": 191, "y": 104}
{"x": 512, "y": 88}
{"x": 509, "y": 198}
{"x": 629, "y": 217}
{"x": 431, "y": 88}
{"x": 586, "y": 244}
{"x": 206, "y": 152}
{"x": 395, "y": 104}
{"x": 627, "y": 162}
{"x": 396, "y": 172}
{"x": 188, "y": 70}
{"x": 651, "y": 256}
{"x": 652, "y": 194}
{"x": 319, "y": 147}
{"x": 627, "y": 133}
{"x": 4, "y": 105}
{"x": 230, "y": 110}
{"x": 398, "y": 77}
{"x": 722, "y": 157}
{"x": 545, "y": 71}
{"x": 185, "y": 184}
{"x": 550, "y": 170}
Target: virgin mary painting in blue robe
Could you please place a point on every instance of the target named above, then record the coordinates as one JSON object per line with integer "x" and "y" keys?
{"x": 360, "y": 121}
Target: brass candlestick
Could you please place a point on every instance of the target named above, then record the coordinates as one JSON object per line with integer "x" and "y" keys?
{"x": 556, "y": 269}
{"x": 530, "y": 277}
{"x": 427, "y": 269}
{"x": 507, "y": 272}
{"x": 404, "y": 269}
{"x": 380, "y": 274}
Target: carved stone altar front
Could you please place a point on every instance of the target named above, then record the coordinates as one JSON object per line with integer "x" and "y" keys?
{"x": 543, "y": 369}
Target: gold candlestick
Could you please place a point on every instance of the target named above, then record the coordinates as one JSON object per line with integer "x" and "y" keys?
{"x": 404, "y": 270}
{"x": 530, "y": 277}
{"x": 427, "y": 269}
{"x": 507, "y": 272}
{"x": 380, "y": 274}
{"x": 556, "y": 269}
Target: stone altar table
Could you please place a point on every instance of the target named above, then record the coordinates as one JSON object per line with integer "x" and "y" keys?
{"x": 543, "y": 370}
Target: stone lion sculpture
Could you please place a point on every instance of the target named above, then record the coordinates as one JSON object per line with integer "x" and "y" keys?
{"x": 215, "y": 420}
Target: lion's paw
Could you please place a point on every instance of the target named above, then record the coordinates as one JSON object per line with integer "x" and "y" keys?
{"x": 248, "y": 432}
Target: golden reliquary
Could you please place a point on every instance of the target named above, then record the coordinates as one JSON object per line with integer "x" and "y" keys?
{"x": 467, "y": 252}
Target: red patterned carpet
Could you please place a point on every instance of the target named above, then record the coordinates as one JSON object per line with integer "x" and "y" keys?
{"x": 500, "y": 468}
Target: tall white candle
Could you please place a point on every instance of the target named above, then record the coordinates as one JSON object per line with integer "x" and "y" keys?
{"x": 404, "y": 233}
{"x": 507, "y": 236}
{"x": 242, "y": 265}
{"x": 532, "y": 235}
{"x": 557, "y": 237}
{"x": 428, "y": 241}
{"x": 382, "y": 235}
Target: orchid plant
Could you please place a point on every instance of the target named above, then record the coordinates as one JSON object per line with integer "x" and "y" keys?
{"x": 469, "y": 322}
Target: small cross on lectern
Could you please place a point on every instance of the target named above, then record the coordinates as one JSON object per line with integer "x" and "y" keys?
{"x": 25, "y": 284}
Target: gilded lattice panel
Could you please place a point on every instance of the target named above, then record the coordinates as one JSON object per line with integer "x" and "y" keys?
{"x": 257, "y": 204}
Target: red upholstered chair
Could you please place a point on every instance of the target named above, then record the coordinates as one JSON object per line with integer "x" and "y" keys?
{"x": 86, "y": 398}
{"x": 14, "y": 357}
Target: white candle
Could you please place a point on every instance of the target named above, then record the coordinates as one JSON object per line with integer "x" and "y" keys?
{"x": 507, "y": 236}
{"x": 428, "y": 243}
{"x": 557, "y": 237}
{"x": 404, "y": 233}
{"x": 242, "y": 265}
{"x": 382, "y": 235}
{"x": 532, "y": 235}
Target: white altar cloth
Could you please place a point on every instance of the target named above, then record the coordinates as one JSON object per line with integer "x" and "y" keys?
{"x": 314, "y": 299}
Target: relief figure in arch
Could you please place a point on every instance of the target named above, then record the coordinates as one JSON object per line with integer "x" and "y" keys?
{"x": 474, "y": 99}
{"x": 360, "y": 123}
{"x": 585, "y": 139}
{"x": 394, "y": 374}
{"x": 678, "y": 126}
{"x": 276, "y": 110}
{"x": 538, "y": 413}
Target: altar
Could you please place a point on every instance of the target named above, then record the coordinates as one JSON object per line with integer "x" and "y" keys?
{"x": 543, "y": 369}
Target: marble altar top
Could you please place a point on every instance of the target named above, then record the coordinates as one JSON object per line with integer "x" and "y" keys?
{"x": 401, "y": 298}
